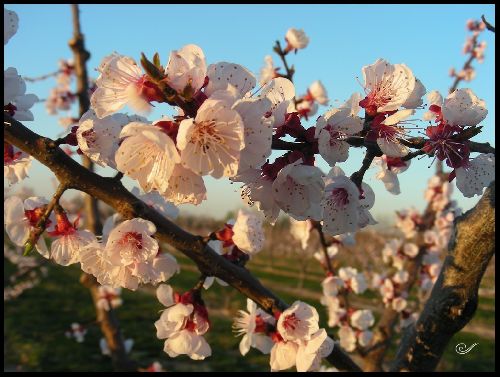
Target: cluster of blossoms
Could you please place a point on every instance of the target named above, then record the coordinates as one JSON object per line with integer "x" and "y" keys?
{"x": 61, "y": 97}
{"x": 473, "y": 48}
{"x": 183, "y": 323}
{"x": 109, "y": 298}
{"x": 353, "y": 324}
{"x": 76, "y": 332}
{"x": 292, "y": 337}
{"x": 454, "y": 116}
{"x": 436, "y": 238}
{"x": 126, "y": 256}
{"x": 17, "y": 104}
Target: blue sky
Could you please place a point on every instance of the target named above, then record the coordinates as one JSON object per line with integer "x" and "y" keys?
{"x": 343, "y": 38}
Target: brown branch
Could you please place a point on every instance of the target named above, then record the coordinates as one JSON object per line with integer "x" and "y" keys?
{"x": 108, "y": 320}
{"x": 324, "y": 246}
{"x": 42, "y": 77}
{"x": 37, "y": 231}
{"x": 454, "y": 298}
{"x": 113, "y": 193}
{"x": 489, "y": 26}
{"x": 282, "y": 54}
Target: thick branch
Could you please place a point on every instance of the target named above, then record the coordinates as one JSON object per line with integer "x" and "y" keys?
{"x": 454, "y": 298}
{"x": 113, "y": 193}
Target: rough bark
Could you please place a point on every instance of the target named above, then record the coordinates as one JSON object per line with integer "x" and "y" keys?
{"x": 454, "y": 298}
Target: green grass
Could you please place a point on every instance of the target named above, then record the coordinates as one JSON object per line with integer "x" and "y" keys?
{"x": 35, "y": 323}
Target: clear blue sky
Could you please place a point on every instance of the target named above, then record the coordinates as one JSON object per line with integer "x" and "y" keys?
{"x": 428, "y": 38}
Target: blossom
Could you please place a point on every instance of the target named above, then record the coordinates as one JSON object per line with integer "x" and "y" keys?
{"x": 438, "y": 193}
{"x": 433, "y": 98}
{"x": 415, "y": 99}
{"x": 334, "y": 127}
{"x": 301, "y": 231}
{"x": 66, "y": 249}
{"x": 399, "y": 304}
{"x": 185, "y": 186}
{"x": 318, "y": 93}
{"x": 331, "y": 286}
{"x": 15, "y": 163}
{"x": 10, "y": 24}
{"x": 464, "y": 108}
{"x": 20, "y": 218}
{"x": 268, "y": 71}
{"x": 147, "y": 154}
{"x": 280, "y": 91}
{"x": 298, "y": 190}
{"x": 310, "y": 353}
{"x": 16, "y": 102}
{"x": 401, "y": 277}
{"x": 257, "y": 131}
{"x": 389, "y": 168}
{"x": 345, "y": 210}
{"x": 121, "y": 82}
{"x": 108, "y": 297}
{"x": 186, "y": 69}
{"x": 332, "y": 250}
{"x": 296, "y": 39}
{"x": 347, "y": 338}
{"x": 387, "y": 133}
{"x": 129, "y": 257}
{"x": 98, "y": 138}
{"x": 298, "y": 322}
{"x": 387, "y": 86}
{"x": 353, "y": 280}
{"x": 335, "y": 312}
{"x": 258, "y": 189}
{"x": 182, "y": 324}
{"x": 248, "y": 233}
{"x": 283, "y": 355}
{"x": 364, "y": 338}
{"x": 77, "y": 331}
{"x": 362, "y": 319}
{"x": 225, "y": 75}
{"x": 443, "y": 144}
{"x": 476, "y": 174}
{"x": 252, "y": 325}
{"x": 211, "y": 142}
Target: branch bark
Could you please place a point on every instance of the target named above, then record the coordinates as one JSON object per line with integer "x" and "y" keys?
{"x": 108, "y": 320}
{"x": 113, "y": 193}
{"x": 454, "y": 298}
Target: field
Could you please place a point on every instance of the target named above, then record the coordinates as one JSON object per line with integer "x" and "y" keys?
{"x": 35, "y": 322}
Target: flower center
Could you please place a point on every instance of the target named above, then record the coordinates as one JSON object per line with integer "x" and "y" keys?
{"x": 339, "y": 197}
{"x": 90, "y": 137}
{"x": 205, "y": 134}
{"x": 133, "y": 239}
{"x": 291, "y": 322}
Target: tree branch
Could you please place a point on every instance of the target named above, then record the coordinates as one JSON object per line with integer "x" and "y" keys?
{"x": 454, "y": 298}
{"x": 113, "y": 193}
{"x": 489, "y": 26}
